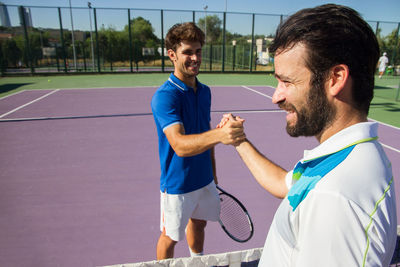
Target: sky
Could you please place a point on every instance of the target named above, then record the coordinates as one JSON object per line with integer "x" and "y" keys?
{"x": 371, "y": 10}
{"x": 387, "y": 10}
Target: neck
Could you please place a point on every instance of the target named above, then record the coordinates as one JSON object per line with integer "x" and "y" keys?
{"x": 341, "y": 121}
{"x": 188, "y": 80}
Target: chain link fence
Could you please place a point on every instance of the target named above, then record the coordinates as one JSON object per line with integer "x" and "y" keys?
{"x": 43, "y": 40}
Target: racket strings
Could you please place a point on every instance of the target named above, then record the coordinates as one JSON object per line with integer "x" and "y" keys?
{"x": 234, "y": 218}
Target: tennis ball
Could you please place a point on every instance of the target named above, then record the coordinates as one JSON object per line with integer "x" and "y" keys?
{"x": 48, "y": 80}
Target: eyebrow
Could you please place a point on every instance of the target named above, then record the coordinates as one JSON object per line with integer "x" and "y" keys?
{"x": 282, "y": 77}
{"x": 191, "y": 50}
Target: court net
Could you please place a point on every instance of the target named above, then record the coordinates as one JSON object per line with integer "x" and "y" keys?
{"x": 244, "y": 258}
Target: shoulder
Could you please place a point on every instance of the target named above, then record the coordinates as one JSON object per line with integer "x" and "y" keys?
{"x": 206, "y": 87}
{"x": 164, "y": 94}
{"x": 362, "y": 176}
{"x": 368, "y": 160}
{"x": 203, "y": 86}
{"x": 365, "y": 163}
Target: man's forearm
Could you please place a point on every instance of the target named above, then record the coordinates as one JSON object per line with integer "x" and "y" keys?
{"x": 268, "y": 174}
{"x": 194, "y": 144}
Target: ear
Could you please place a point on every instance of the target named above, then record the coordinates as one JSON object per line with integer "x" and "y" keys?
{"x": 171, "y": 55}
{"x": 339, "y": 77}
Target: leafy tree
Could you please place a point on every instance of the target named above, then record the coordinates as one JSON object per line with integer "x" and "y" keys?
{"x": 3, "y": 62}
{"x": 392, "y": 45}
{"x": 211, "y": 25}
{"x": 11, "y": 52}
{"x": 142, "y": 36}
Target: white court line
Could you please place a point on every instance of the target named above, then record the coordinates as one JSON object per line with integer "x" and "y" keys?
{"x": 394, "y": 127}
{"x": 27, "y": 104}
{"x": 389, "y": 147}
{"x": 255, "y": 91}
{"x": 12, "y": 94}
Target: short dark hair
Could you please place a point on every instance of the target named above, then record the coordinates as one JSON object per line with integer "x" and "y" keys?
{"x": 187, "y": 31}
{"x": 334, "y": 34}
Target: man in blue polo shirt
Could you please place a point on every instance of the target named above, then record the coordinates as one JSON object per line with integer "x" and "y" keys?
{"x": 181, "y": 109}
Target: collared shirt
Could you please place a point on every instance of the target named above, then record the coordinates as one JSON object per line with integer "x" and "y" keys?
{"x": 175, "y": 102}
{"x": 340, "y": 209}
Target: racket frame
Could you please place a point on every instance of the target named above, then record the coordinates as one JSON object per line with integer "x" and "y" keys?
{"x": 222, "y": 191}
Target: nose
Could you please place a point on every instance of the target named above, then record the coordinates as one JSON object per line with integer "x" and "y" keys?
{"x": 279, "y": 94}
{"x": 195, "y": 57}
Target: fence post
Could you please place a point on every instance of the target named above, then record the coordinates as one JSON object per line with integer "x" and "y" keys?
{"x": 223, "y": 43}
{"x": 97, "y": 40}
{"x": 62, "y": 41}
{"x": 194, "y": 17}
{"x": 27, "y": 45}
{"x": 252, "y": 44}
{"x": 162, "y": 42}
{"x": 111, "y": 54}
{"x": 130, "y": 40}
{"x": 234, "y": 56}
{"x": 211, "y": 58}
{"x": 83, "y": 53}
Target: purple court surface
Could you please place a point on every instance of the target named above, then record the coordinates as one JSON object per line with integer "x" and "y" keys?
{"x": 79, "y": 173}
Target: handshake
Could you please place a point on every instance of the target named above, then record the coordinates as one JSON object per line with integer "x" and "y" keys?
{"x": 232, "y": 129}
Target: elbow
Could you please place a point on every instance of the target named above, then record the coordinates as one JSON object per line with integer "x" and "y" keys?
{"x": 278, "y": 192}
{"x": 181, "y": 151}
{"x": 281, "y": 194}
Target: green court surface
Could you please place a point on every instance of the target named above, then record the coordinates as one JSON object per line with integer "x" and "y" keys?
{"x": 384, "y": 106}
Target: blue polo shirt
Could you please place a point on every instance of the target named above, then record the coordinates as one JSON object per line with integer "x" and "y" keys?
{"x": 175, "y": 102}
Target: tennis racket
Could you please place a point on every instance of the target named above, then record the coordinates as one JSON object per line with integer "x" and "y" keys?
{"x": 234, "y": 218}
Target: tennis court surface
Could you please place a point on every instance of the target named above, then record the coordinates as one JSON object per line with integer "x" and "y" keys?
{"x": 79, "y": 175}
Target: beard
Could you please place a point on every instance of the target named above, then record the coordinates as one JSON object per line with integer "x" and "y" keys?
{"x": 185, "y": 68}
{"x": 314, "y": 116}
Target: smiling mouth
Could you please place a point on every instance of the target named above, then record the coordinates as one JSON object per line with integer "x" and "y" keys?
{"x": 290, "y": 110}
{"x": 193, "y": 65}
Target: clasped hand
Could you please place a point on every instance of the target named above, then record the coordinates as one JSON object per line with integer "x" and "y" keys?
{"x": 233, "y": 128}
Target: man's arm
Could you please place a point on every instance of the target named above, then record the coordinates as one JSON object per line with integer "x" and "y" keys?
{"x": 268, "y": 174}
{"x": 186, "y": 145}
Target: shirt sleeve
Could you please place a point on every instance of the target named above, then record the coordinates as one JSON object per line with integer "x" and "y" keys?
{"x": 166, "y": 109}
{"x": 331, "y": 232}
{"x": 289, "y": 179}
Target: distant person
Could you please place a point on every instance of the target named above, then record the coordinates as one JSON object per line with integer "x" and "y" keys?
{"x": 383, "y": 62}
{"x": 339, "y": 205}
{"x": 181, "y": 109}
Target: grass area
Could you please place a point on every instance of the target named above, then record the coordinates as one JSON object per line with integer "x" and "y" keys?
{"x": 384, "y": 108}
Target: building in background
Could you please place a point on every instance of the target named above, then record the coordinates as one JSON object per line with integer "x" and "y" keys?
{"x": 28, "y": 16}
{"x": 4, "y": 17}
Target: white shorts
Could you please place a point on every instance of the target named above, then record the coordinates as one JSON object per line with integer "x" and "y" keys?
{"x": 177, "y": 209}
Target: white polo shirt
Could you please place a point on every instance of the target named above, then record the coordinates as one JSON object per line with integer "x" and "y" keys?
{"x": 341, "y": 206}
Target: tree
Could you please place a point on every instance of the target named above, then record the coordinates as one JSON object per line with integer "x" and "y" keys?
{"x": 11, "y": 52}
{"x": 142, "y": 36}
{"x": 392, "y": 45}
{"x": 211, "y": 24}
